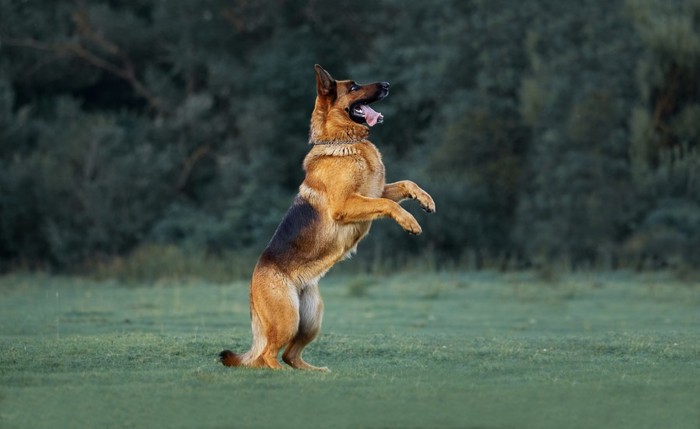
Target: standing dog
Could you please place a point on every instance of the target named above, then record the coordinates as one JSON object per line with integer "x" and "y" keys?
{"x": 343, "y": 192}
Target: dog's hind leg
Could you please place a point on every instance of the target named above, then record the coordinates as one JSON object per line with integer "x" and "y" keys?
{"x": 310, "y": 318}
{"x": 276, "y": 303}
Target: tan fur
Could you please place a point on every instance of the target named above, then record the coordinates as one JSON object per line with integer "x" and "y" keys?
{"x": 343, "y": 192}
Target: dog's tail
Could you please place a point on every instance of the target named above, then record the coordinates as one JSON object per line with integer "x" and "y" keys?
{"x": 229, "y": 358}
{"x": 252, "y": 357}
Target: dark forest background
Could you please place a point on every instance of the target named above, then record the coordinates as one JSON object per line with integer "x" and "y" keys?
{"x": 549, "y": 132}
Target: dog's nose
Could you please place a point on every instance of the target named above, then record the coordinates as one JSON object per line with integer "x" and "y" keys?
{"x": 385, "y": 85}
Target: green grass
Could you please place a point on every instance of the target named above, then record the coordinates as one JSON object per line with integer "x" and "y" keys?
{"x": 408, "y": 351}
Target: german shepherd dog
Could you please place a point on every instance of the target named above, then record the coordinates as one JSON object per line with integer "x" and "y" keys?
{"x": 343, "y": 192}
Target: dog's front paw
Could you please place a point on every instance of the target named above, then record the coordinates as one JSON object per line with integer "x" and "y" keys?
{"x": 414, "y": 230}
{"x": 410, "y": 224}
{"x": 426, "y": 202}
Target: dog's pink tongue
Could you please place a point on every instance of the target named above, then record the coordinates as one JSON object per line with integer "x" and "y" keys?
{"x": 371, "y": 116}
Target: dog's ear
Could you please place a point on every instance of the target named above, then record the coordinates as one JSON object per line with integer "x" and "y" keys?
{"x": 325, "y": 84}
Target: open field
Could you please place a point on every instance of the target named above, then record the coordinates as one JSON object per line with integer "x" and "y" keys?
{"x": 477, "y": 350}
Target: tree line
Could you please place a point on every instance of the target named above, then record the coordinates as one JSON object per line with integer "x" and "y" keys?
{"x": 547, "y": 131}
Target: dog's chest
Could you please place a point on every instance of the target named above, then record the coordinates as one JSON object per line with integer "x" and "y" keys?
{"x": 372, "y": 171}
{"x": 354, "y": 168}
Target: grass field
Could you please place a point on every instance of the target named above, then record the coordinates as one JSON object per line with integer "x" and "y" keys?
{"x": 477, "y": 350}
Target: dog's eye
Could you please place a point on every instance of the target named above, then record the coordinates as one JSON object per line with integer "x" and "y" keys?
{"x": 354, "y": 87}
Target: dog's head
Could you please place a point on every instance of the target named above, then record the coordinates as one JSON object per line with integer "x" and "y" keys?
{"x": 342, "y": 106}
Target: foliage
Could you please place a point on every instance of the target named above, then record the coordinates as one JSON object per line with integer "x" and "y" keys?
{"x": 546, "y": 131}
{"x": 665, "y": 136}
